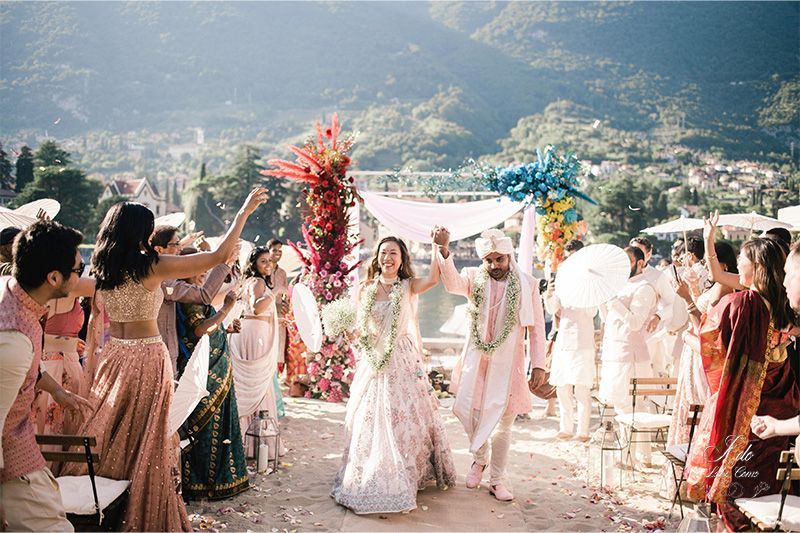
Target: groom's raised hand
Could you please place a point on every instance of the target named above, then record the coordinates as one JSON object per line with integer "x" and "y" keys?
{"x": 441, "y": 238}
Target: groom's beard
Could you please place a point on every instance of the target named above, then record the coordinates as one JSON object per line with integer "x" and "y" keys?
{"x": 498, "y": 274}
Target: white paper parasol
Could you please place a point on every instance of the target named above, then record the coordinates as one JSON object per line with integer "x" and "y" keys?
{"x": 11, "y": 219}
{"x": 48, "y": 205}
{"x": 752, "y": 221}
{"x": 306, "y": 315}
{"x": 790, "y": 215}
{"x": 191, "y": 387}
{"x": 678, "y": 225}
{"x": 173, "y": 219}
{"x": 290, "y": 261}
{"x": 458, "y": 323}
{"x": 592, "y": 276}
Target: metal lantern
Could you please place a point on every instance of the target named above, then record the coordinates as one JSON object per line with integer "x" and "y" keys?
{"x": 605, "y": 454}
{"x": 266, "y": 440}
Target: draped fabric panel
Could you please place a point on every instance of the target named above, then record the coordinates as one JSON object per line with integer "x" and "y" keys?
{"x": 527, "y": 240}
{"x": 413, "y": 221}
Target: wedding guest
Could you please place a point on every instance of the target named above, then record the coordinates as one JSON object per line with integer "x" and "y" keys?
{"x": 782, "y": 235}
{"x": 254, "y": 351}
{"x": 572, "y": 366}
{"x": 61, "y": 359}
{"x": 134, "y": 385}
{"x": 624, "y": 352}
{"x": 490, "y": 375}
{"x": 767, "y": 426}
{"x": 281, "y": 291}
{"x": 692, "y": 387}
{"x": 6, "y": 244}
{"x": 744, "y": 379}
{"x": 395, "y": 441}
{"x": 46, "y": 266}
{"x": 660, "y": 344}
{"x": 165, "y": 241}
{"x": 296, "y": 370}
{"x": 213, "y": 463}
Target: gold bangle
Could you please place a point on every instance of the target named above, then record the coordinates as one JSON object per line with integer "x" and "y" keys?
{"x": 711, "y": 256}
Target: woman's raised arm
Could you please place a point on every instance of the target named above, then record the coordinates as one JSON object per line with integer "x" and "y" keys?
{"x": 420, "y": 285}
{"x": 179, "y": 267}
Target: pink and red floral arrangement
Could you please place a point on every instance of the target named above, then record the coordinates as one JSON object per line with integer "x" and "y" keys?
{"x": 322, "y": 165}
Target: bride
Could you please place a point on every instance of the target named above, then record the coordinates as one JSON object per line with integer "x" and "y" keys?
{"x": 395, "y": 440}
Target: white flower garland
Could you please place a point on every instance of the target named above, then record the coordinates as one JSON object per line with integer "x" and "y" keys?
{"x": 512, "y": 309}
{"x": 379, "y": 362}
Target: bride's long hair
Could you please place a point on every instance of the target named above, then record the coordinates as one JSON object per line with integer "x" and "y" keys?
{"x": 406, "y": 271}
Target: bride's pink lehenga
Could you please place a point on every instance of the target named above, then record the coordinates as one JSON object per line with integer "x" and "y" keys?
{"x": 396, "y": 443}
{"x": 132, "y": 393}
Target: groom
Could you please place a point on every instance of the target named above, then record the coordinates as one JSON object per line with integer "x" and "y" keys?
{"x": 490, "y": 376}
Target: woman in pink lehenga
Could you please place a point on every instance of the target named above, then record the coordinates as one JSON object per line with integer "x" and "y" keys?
{"x": 254, "y": 350}
{"x": 62, "y": 360}
{"x": 395, "y": 439}
{"x": 133, "y": 387}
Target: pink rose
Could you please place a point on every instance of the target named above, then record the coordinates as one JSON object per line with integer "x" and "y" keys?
{"x": 328, "y": 350}
{"x": 324, "y": 384}
{"x": 338, "y": 371}
{"x": 307, "y": 394}
{"x": 335, "y": 396}
{"x": 313, "y": 368}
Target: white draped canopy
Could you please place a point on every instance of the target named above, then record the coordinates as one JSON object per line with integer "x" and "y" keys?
{"x": 413, "y": 221}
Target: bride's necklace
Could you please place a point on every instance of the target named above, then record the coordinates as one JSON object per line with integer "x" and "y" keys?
{"x": 379, "y": 361}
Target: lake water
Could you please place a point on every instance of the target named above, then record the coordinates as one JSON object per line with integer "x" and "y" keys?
{"x": 435, "y": 307}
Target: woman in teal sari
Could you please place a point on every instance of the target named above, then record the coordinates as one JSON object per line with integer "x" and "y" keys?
{"x": 213, "y": 464}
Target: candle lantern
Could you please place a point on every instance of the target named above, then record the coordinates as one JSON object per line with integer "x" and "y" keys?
{"x": 605, "y": 454}
{"x": 265, "y": 437}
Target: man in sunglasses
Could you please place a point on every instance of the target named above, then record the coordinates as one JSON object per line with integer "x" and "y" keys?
{"x": 47, "y": 265}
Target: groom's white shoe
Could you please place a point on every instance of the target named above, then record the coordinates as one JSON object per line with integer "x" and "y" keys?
{"x": 501, "y": 493}
{"x": 475, "y": 475}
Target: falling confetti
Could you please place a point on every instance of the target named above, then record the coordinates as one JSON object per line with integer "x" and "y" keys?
{"x": 56, "y": 121}
{"x": 596, "y": 124}
{"x": 257, "y": 237}
{"x": 634, "y": 208}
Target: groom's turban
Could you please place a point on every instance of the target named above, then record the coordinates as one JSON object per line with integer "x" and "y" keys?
{"x": 491, "y": 241}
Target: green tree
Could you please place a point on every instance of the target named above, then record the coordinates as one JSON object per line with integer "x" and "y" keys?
{"x": 70, "y": 186}
{"x": 621, "y": 211}
{"x": 24, "y": 174}
{"x": 5, "y": 169}
{"x": 279, "y": 217}
{"x": 200, "y": 205}
{"x": 98, "y": 214}
{"x": 50, "y": 154}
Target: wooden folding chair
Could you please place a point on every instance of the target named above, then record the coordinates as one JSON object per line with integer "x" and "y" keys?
{"x": 677, "y": 455}
{"x": 654, "y": 424}
{"x": 92, "y": 503}
{"x": 776, "y": 512}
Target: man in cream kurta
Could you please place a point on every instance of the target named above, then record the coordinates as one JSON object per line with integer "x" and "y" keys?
{"x": 491, "y": 386}
{"x": 624, "y": 352}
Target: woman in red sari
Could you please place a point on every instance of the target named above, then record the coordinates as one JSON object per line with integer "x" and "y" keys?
{"x": 743, "y": 344}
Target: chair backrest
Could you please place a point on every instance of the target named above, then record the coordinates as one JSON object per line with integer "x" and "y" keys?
{"x": 657, "y": 387}
{"x": 695, "y": 410}
{"x": 788, "y": 471}
{"x": 86, "y": 456}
